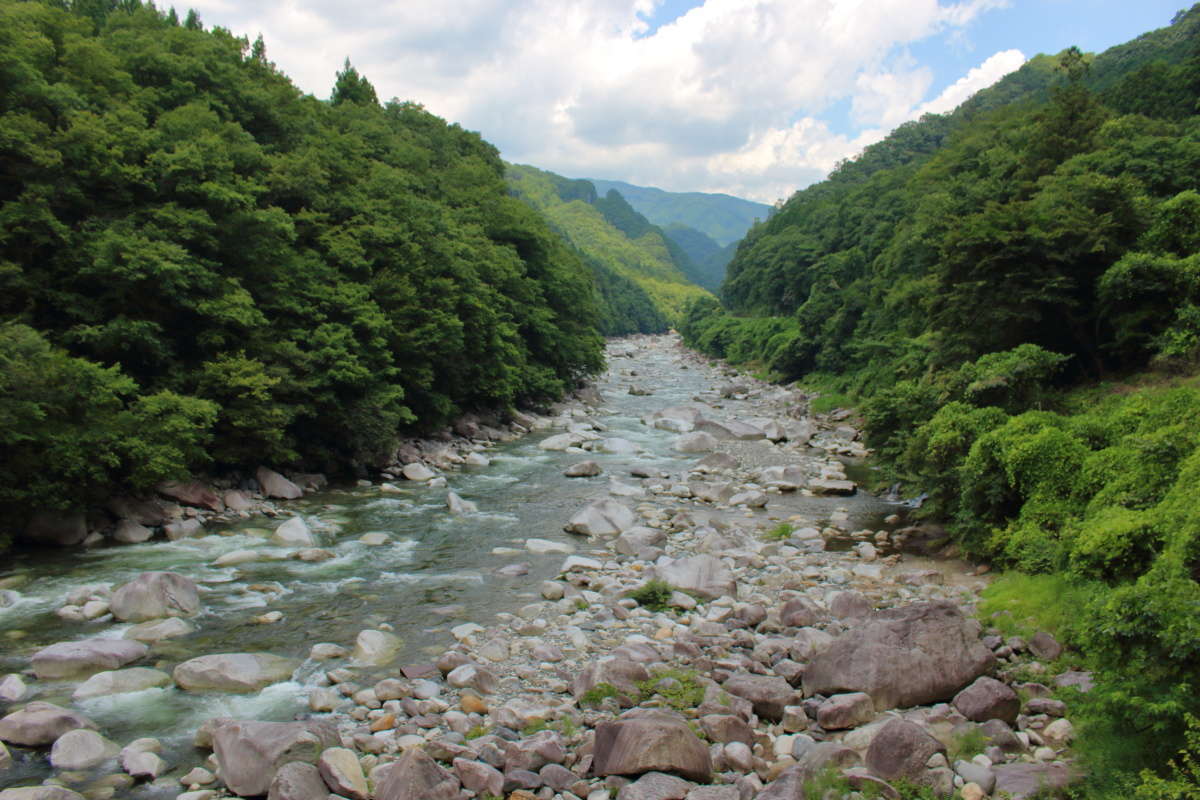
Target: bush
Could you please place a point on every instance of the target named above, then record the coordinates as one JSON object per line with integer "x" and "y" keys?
{"x": 654, "y": 594}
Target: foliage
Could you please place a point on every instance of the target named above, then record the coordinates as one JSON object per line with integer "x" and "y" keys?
{"x": 721, "y": 218}
{"x": 259, "y": 274}
{"x": 780, "y": 533}
{"x": 681, "y": 688}
{"x": 1184, "y": 780}
{"x": 598, "y": 694}
{"x": 967, "y": 745}
{"x": 654, "y": 595}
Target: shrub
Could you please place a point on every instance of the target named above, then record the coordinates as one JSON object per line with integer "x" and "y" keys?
{"x": 654, "y": 594}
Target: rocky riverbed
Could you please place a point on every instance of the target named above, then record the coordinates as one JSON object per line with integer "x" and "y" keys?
{"x": 669, "y": 587}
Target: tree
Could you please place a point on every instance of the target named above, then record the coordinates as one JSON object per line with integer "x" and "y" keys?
{"x": 350, "y": 87}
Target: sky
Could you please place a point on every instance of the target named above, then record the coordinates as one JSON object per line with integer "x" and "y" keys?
{"x": 754, "y": 98}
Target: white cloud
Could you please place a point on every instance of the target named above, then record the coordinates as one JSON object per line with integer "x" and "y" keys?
{"x": 728, "y": 97}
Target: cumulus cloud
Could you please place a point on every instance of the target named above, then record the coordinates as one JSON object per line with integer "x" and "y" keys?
{"x": 728, "y": 97}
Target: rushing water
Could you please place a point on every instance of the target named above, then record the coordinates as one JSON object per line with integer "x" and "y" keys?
{"x": 436, "y": 570}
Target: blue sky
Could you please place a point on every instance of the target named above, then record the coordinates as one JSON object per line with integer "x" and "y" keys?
{"x": 756, "y": 98}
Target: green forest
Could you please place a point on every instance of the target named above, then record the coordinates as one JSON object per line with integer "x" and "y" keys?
{"x": 614, "y": 237}
{"x": 1011, "y": 294}
{"x": 204, "y": 269}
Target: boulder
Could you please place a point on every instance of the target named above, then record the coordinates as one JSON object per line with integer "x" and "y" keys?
{"x": 375, "y": 648}
{"x": 13, "y": 689}
{"x": 275, "y": 485}
{"x": 650, "y": 741}
{"x": 830, "y": 486}
{"x": 154, "y": 595}
{"x": 192, "y": 493}
{"x": 250, "y": 753}
{"x": 656, "y": 786}
{"x": 294, "y": 533}
{"x": 584, "y": 469}
{"x": 1021, "y": 780}
{"x": 618, "y": 672}
{"x": 151, "y": 512}
{"x": 297, "y": 780}
{"x": 132, "y": 532}
{"x": 618, "y": 446}
{"x": 121, "y": 681}
{"x": 912, "y": 655}
{"x": 849, "y": 605}
{"x": 415, "y": 776}
{"x": 56, "y": 528}
{"x": 842, "y": 711}
{"x": 601, "y": 518}
{"x": 81, "y": 749}
{"x": 418, "y": 472}
{"x": 1044, "y": 646}
{"x": 768, "y": 694}
{"x": 458, "y": 506}
{"x": 140, "y": 759}
{"x": 473, "y": 676}
{"x": 234, "y": 672}
{"x": 156, "y": 630}
{"x": 698, "y": 442}
{"x": 900, "y": 750}
{"x": 237, "y": 500}
{"x": 46, "y": 792}
{"x": 801, "y": 612}
{"x": 704, "y": 576}
{"x": 39, "y": 724}
{"x": 638, "y": 538}
{"x": 183, "y": 529}
{"x": 343, "y": 773}
{"x": 85, "y": 657}
{"x": 480, "y": 778}
{"x": 988, "y": 698}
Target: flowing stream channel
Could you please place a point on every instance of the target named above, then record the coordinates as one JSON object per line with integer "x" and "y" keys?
{"x": 436, "y": 571}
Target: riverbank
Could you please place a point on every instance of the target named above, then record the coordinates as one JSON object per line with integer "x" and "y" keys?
{"x": 794, "y": 628}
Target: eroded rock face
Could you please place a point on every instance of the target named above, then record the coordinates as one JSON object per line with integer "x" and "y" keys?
{"x": 250, "y": 753}
{"x": 39, "y": 724}
{"x": 907, "y": 656}
{"x": 415, "y": 776}
{"x": 85, "y": 657}
{"x": 650, "y": 741}
{"x": 154, "y": 595}
{"x": 234, "y": 672}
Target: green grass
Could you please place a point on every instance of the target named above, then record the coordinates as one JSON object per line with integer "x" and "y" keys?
{"x": 688, "y": 694}
{"x": 654, "y": 594}
{"x": 967, "y": 745}
{"x": 828, "y": 780}
{"x": 779, "y": 533}
{"x": 477, "y": 731}
{"x": 598, "y": 694}
{"x": 1021, "y": 605}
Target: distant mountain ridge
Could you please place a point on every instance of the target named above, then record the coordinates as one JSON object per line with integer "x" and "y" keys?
{"x": 722, "y": 217}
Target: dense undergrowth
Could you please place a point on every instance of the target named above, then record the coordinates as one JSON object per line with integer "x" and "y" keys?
{"x": 974, "y": 282}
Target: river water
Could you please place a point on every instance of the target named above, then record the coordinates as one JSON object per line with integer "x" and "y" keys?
{"x": 436, "y": 571}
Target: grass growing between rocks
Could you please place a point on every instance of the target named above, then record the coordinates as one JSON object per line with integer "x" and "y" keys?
{"x": 654, "y": 594}
{"x": 967, "y": 745}
{"x": 780, "y": 533}
{"x": 1021, "y": 605}
{"x": 598, "y": 694}
{"x": 829, "y": 782}
{"x": 681, "y": 688}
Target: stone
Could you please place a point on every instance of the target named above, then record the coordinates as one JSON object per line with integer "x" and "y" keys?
{"x": 769, "y": 695}
{"x": 297, "y": 780}
{"x": 158, "y": 630}
{"x": 415, "y": 776}
{"x": 704, "y": 576}
{"x": 842, "y": 711}
{"x": 12, "y": 689}
{"x": 980, "y": 775}
{"x": 39, "y": 724}
{"x": 650, "y": 741}
{"x": 829, "y": 486}
{"x": 534, "y": 752}
{"x": 623, "y": 674}
{"x": 47, "y": 792}
{"x": 375, "y": 648}
{"x": 801, "y": 612}
{"x": 988, "y": 698}
{"x": 618, "y": 446}
{"x": 132, "y": 532}
{"x": 343, "y": 773}
{"x": 584, "y": 469}
{"x": 85, "y": 657}
{"x": 237, "y": 500}
{"x": 849, "y": 605}
{"x": 1059, "y": 733}
{"x": 154, "y": 595}
{"x": 250, "y": 753}
{"x": 907, "y": 656}
{"x": 81, "y": 749}
{"x": 698, "y": 442}
{"x": 56, "y": 528}
{"x": 656, "y": 786}
{"x": 1045, "y": 647}
{"x": 639, "y": 538}
{"x": 234, "y": 672}
{"x": 418, "y": 472}
{"x": 900, "y": 750}
{"x": 472, "y": 676}
{"x": 294, "y": 533}
{"x": 1021, "y": 780}
{"x": 457, "y": 506}
{"x": 192, "y": 493}
{"x": 183, "y": 529}
{"x": 479, "y": 777}
{"x": 120, "y": 681}
{"x": 604, "y": 517}
{"x": 545, "y": 546}
{"x": 235, "y": 557}
{"x": 141, "y": 759}
{"x": 725, "y": 728}
{"x": 275, "y": 485}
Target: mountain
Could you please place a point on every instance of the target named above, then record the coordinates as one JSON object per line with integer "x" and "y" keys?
{"x": 722, "y": 217}
{"x": 708, "y": 259}
{"x": 610, "y": 232}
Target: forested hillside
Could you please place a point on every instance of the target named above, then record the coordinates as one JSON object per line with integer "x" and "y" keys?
{"x": 708, "y": 259}
{"x": 721, "y": 217}
{"x": 202, "y": 268}
{"x": 609, "y": 232}
{"x": 1013, "y": 293}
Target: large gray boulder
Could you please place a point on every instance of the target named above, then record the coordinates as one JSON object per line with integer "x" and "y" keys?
{"x": 900, "y": 750}
{"x": 415, "y": 776}
{"x": 154, "y": 595}
{"x": 250, "y": 753}
{"x": 698, "y": 442}
{"x": 234, "y": 672}
{"x": 294, "y": 533}
{"x": 275, "y": 485}
{"x": 908, "y": 656}
{"x": 85, "y": 657}
{"x": 638, "y": 538}
{"x": 81, "y": 749}
{"x": 704, "y": 576}
{"x": 56, "y": 528}
{"x": 650, "y": 741}
{"x": 39, "y": 793}
{"x": 39, "y": 724}
{"x": 297, "y": 780}
{"x": 192, "y": 493}
{"x": 768, "y": 694}
{"x": 343, "y": 773}
{"x": 132, "y": 532}
{"x": 120, "y": 681}
{"x": 988, "y": 698}
{"x": 602, "y": 518}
